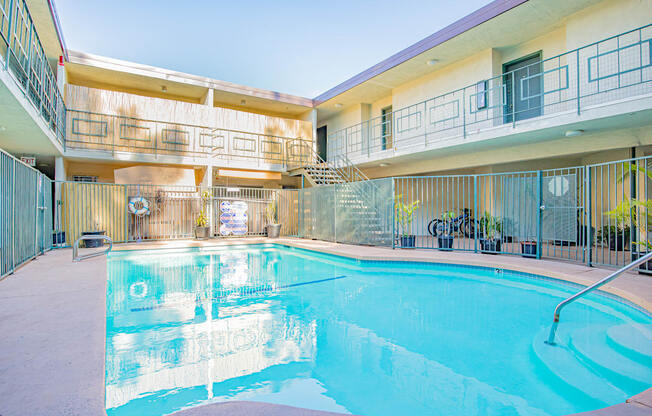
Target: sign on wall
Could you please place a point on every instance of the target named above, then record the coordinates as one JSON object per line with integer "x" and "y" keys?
{"x": 29, "y": 160}
{"x": 233, "y": 218}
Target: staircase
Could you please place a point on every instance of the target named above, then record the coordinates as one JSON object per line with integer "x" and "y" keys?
{"x": 358, "y": 221}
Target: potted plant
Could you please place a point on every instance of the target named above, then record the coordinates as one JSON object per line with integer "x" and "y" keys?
{"x": 617, "y": 235}
{"x": 528, "y": 244}
{"x": 273, "y": 227}
{"x": 202, "y": 230}
{"x": 445, "y": 238}
{"x": 491, "y": 228}
{"x": 404, "y": 216}
{"x": 94, "y": 242}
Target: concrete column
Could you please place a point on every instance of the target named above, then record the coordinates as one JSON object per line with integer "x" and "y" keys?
{"x": 365, "y": 115}
{"x": 208, "y": 98}
{"x": 207, "y": 180}
{"x": 59, "y": 175}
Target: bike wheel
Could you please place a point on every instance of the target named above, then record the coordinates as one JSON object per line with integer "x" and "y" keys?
{"x": 468, "y": 228}
{"x": 433, "y": 227}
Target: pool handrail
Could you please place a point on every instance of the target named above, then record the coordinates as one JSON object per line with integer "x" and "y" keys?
{"x": 612, "y": 276}
{"x": 75, "y": 247}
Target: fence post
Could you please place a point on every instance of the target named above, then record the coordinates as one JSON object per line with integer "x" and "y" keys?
{"x": 477, "y": 223}
{"x": 36, "y": 208}
{"x": 13, "y": 219}
{"x": 588, "y": 238}
{"x": 540, "y": 208}
{"x": 126, "y": 195}
{"x": 394, "y": 213}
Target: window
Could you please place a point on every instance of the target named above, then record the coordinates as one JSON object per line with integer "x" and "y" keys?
{"x": 84, "y": 178}
{"x": 386, "y": 128}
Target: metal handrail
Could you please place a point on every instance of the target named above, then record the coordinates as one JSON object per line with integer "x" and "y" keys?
{"x": 612, "y": 276}
{"x": 75, "y": 247}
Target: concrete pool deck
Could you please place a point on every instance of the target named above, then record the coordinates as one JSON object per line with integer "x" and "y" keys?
{"x": 52, "y": 324}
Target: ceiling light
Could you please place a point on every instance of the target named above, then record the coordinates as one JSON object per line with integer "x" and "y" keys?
{"x": 164, "y": 88}
{"x": 382, "y": 165}
{"x": 432, "y": 62}
{"x": 573, "y": 133}
{"x": 243, "y": 102}
{"x": 3, "y": 128}
{"x": 338, "y": 105}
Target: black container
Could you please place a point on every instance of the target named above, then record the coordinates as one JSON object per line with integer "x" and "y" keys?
{"x": 645, "y": 268}
{"x": 59, "y": 237}
{"x": 408, "y": 241}
{"x": 618, "y": 242}
{"x": 529, "y": 248}
{"x": 445, "y": 242}
{"x": 95, "y": 242}
{"x": 490, "y": 246}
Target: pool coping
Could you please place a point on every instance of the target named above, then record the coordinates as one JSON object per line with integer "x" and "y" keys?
{"x": 65, "y": 362}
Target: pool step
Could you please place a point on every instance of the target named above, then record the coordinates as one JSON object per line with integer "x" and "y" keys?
{"x": 632, "y": 341}
{"x": 592, "y": 348}
{"x": 565, "y": 367}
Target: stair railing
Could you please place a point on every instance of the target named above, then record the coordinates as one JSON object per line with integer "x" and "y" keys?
{"x": 75, "y": 247}
{"x": 612, "y": 276}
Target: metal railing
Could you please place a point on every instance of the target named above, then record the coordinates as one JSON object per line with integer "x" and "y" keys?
{"x": 75, "y": 247}
{"x": 22, "y": 54}
{"x": 115, "y": 133}
{"x": 25, "y": 213}
{"x": 606, "y": 71}
{"x": 585, "y": 291}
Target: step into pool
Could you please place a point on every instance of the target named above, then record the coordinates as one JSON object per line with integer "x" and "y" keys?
{"x": 283, "y": 325}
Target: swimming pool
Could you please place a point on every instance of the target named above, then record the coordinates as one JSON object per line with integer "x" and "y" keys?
{"x": 284, "y": 325}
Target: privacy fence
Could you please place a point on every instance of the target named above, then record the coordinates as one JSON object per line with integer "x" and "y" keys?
{"x": 595, "y": 214}
{"x": 25, "y": 213}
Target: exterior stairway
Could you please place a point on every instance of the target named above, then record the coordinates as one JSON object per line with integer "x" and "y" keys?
{"x": 357, "y": 218}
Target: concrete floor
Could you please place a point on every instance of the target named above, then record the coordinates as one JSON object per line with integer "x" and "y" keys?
{"x": 52, "y": 325}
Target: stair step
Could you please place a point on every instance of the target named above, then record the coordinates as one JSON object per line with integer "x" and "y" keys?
{"x": 634, "y": 341}
{"x": 564, "y": 366}
{"x": 591, "y": 345}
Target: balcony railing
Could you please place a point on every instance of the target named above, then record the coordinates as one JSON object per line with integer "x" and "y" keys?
{"x": 613, "y": 69}
{"x": 129, "y": 135}
{"x": 22, "y": 55}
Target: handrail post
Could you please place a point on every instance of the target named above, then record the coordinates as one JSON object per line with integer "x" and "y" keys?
{"x": 612, "y": 276}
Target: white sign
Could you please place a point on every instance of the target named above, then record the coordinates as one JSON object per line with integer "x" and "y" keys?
{"x": 233, "y": 218}
{"x": 30, "y": 160}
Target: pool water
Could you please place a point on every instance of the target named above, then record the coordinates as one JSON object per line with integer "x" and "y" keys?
{"x": 289, "y": 326}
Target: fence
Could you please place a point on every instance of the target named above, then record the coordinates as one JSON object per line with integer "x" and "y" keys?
{"x": 25, "y": 213}
{"x": 23, "y": 56}
{"x": 128, "y": 213}
{"x": 606, "y": 71}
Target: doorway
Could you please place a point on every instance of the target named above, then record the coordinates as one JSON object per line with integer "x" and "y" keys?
{"x": 523, "y": 88}
{"x": 322, "y": 143}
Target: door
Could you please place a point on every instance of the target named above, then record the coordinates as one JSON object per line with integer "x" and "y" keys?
{"x": 386, "y": 130}
{"x": 322, "y": 143}
{"x": 523, "y": 88}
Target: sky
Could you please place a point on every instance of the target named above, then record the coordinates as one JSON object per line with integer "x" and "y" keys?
{"x": 301, "y": 47}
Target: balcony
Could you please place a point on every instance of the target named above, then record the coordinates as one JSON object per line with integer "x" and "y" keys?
{"x": 22, "y": 55}
{"x": 129, "y": 138}
{"x": 560, "y": 90}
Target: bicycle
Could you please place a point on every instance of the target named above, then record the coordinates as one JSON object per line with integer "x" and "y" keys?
{"x": 463, "y": 223}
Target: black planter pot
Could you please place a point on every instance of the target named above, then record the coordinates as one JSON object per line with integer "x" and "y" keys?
{"x": 490, "y": 246}
{"x": 95, "y": 242}
{"x": 645, "y": 268}
{"x": 408, "y": 241}
{"x": 528, "y": 248}
{"x": 59, "y": 237}
{"x": 445, "y": 242}
{"x": 618, "y": 243}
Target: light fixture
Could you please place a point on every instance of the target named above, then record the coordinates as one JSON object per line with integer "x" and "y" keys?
{"x": 232, "y": 190}
{"x": 338, "y": 105}
{"x": 3, "y": 128}
{"x": 382, "y": 165}
{"x": 164, "y": 88}
{"x": 432, "y": 62}
{"x": 573, "y": 133}
{"x": 243, "y": 102}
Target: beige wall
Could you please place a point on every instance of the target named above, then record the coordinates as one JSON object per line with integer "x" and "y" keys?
{"x": 158, "y": 109}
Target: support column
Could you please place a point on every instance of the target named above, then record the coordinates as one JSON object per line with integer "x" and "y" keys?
{"x": 61, "y": 76}
{"x": 208, "y": 98}
{"x": 59, "y": 176}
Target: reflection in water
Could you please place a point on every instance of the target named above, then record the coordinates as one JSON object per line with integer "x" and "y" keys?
{"x": 284, "y": 326}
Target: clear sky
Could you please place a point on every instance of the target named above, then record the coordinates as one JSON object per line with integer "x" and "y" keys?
{"x": 301, "y": 47}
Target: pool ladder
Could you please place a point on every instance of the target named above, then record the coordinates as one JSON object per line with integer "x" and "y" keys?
{"x": 75, "y": 247}
{"x": 612, "y": 276}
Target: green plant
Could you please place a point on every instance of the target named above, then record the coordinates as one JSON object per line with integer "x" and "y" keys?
{"x": 447, "y": 221}
{"x": 271, "y": 213}
{"x": 491, "y": 226}
{"x": 404, "y": 214}
{"x": 202, "y": 219}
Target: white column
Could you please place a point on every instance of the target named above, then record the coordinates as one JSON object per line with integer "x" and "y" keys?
{"x": 59, "y": 175}
{"x": 61, "y": 76}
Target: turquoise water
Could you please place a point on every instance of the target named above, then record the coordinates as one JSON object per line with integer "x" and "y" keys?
{"x": 282, "y": 325}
